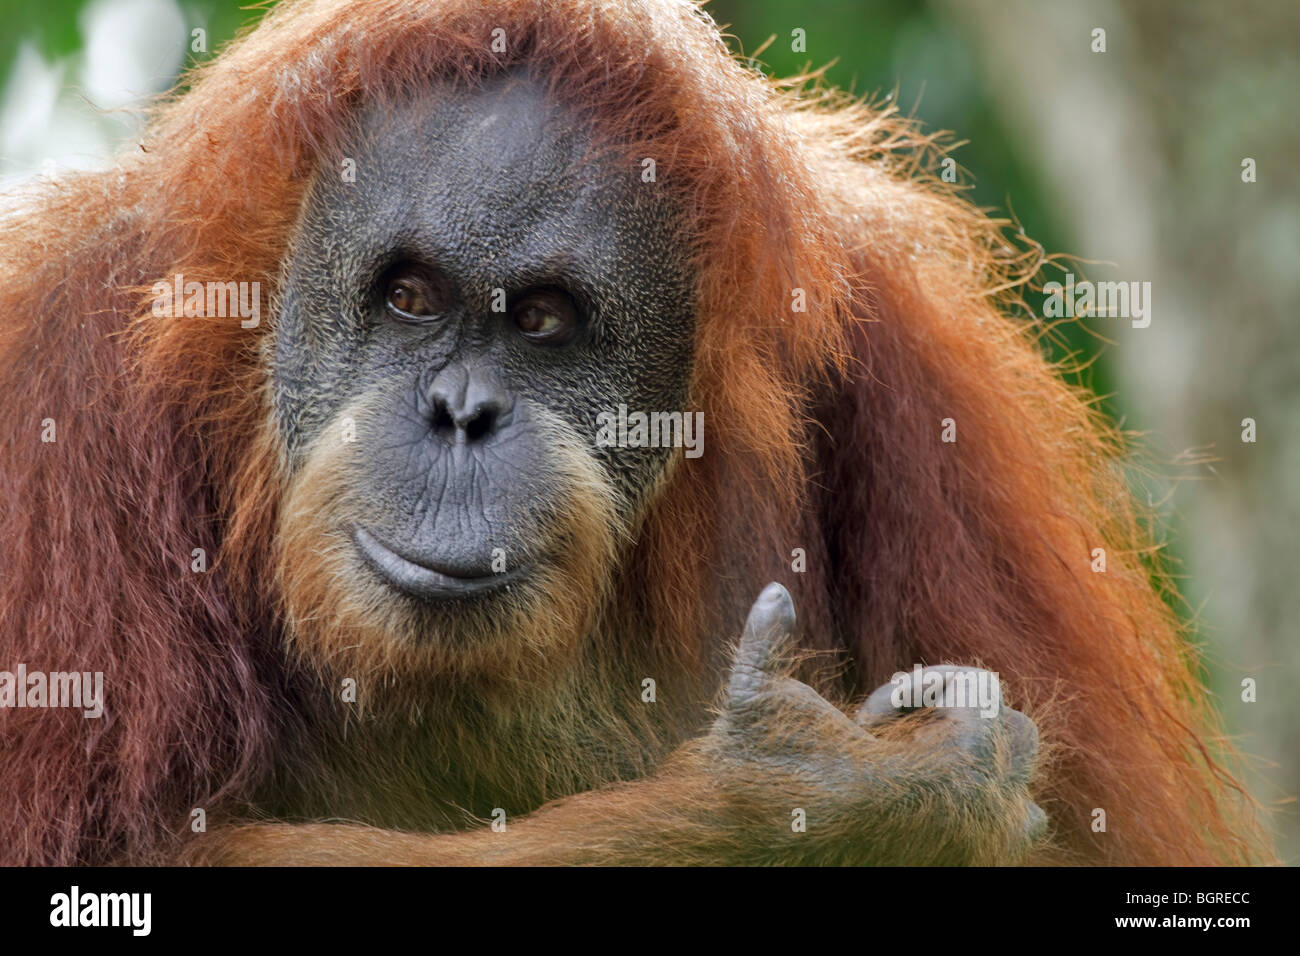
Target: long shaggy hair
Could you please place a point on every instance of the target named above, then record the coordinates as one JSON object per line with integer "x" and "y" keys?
{"x": 827, "y": 419}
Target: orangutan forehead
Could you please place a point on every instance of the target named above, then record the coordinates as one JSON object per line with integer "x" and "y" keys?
{"x": 507, "y": 124}
{"x": 509, "y": 143}
{"x": 499, "y": 179}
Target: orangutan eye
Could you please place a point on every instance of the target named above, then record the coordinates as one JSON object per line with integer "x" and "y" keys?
{"x": 413, "y": 294}
{"x": 548, "y": 317}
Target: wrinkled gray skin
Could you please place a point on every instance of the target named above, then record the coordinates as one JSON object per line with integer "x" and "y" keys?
{"x": 493, "y": 192}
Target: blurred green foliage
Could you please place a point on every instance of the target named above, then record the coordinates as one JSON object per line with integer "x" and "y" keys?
{"x": 54, "y": 26}
{"x": 908, "y": 52}
{"x": 51, "y": 26}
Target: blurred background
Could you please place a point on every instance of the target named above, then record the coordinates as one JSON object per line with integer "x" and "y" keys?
{"x": 1128, "y": 160}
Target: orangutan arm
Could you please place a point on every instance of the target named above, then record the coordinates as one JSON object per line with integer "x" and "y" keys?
{"x": 939, "y": 786}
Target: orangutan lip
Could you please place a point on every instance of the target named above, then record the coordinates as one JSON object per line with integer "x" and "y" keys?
{"x": 423, "y": 581}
